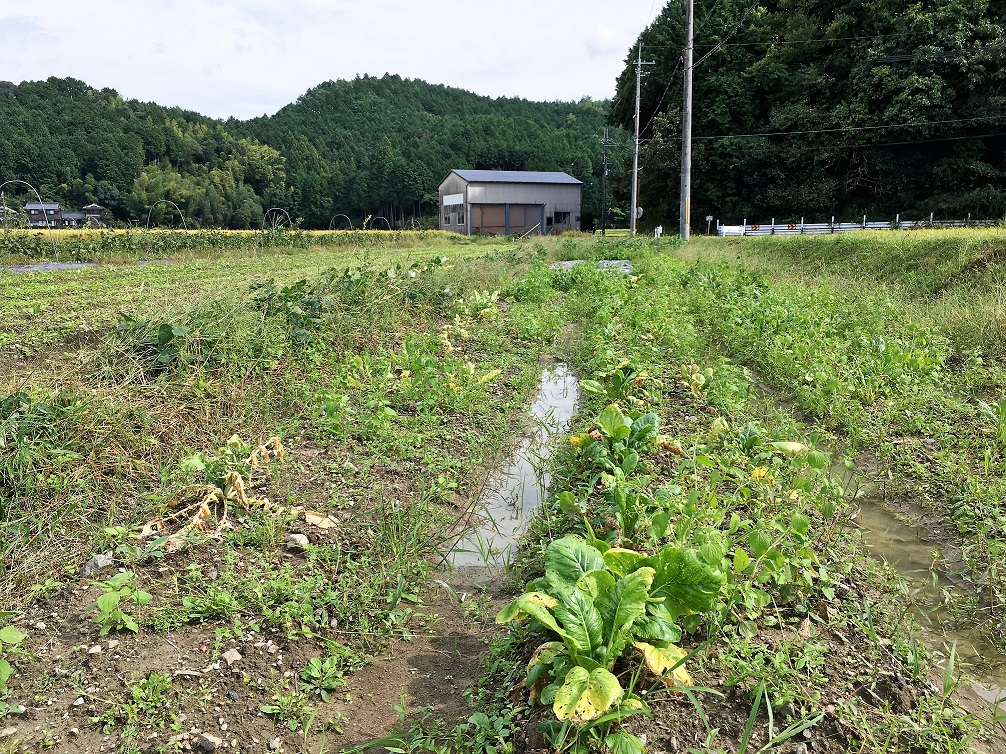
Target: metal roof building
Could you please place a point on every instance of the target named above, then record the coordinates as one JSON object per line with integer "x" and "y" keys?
{"x": 509, "y": 202}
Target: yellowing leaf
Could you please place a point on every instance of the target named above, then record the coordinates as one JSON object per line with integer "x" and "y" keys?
{"x": 790, "y": 448}
{"x": 545, "y": 653}
{"x": 666, "y": 662}
{"x": 585, "y": 696}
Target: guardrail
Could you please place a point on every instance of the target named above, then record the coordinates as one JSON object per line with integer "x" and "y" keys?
{"x": 805, "y": 228}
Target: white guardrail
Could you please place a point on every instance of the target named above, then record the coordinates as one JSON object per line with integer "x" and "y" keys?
{"x": 804, "y": 228}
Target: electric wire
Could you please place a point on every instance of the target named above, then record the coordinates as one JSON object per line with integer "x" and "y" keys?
{"x": 913, "y": 142}
{"x": 844, "y": 129}
{"x": 729, "y": 34}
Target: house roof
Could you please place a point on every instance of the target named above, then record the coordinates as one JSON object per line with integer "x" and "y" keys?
{"x": 515, "y": 176}
{"x": 74, "y": 216}
{"x": 93, "y": 207}
{"x": 43, "y": 205}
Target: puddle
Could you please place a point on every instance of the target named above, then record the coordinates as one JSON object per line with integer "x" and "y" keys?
{"x": 514, "y": 493}
{"x": 910, "y": 550}
{"x": 50, "y": 266}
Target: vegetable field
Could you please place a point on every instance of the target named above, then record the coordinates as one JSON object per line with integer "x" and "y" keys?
{"x": 229, "y": 483}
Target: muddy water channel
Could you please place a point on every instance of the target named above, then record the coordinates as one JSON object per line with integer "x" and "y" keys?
{"x": 514, "y": 493}
{"x": 914, "y": 552}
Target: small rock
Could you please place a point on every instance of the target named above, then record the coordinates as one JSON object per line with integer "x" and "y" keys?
{"x": 207, "y": 742}
{"x": 233, "y": 696}
{"x": 95, "y": 650}
{"x": 78, "y": 701}
{"x": 297, "y": 540}
{"x": 231, "y": 656}
{"x": 113, "y": 643}
{"x": 276, "y": 744}
{"x": 272, "y": 649}
{"x": 97, "y": 563}
{"x": 8, "y": 732}
{"x": 40, "y": 626}
{"x": 74, "y": 731}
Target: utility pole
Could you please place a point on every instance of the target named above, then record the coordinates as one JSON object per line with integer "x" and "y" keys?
{"x": 606, "y": 142}
{"x": 635, "y": 154}
{"x": 686, "y": 124}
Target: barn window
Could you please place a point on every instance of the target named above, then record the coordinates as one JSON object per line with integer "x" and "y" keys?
{"x": 461, "y": 218}
{"x": 562, "y": 218}
{"x": 447, "y": 219}
{"x": 548, "y": 222}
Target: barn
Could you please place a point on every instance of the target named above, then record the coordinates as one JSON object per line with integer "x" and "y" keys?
{"x": 509, "y": 202}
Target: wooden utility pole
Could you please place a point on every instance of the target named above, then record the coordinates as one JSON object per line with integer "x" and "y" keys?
{"x": 686, "y": 124}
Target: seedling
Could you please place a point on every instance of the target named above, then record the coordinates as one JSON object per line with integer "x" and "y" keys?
{"x": 118, "y": 592}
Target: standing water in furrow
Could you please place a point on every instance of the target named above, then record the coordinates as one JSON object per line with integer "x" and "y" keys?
{"x": 914, "y": 553}
{"x": 516, "y": 491}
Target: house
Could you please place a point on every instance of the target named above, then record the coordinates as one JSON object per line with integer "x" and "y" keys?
{"x": 92, "y": 214}
{"x": 73, "y": 219}
{"x": 509, "y": 202}
{"x": 41, "y": 214}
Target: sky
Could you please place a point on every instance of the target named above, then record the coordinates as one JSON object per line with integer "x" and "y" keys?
{"x": 245, "y": 58}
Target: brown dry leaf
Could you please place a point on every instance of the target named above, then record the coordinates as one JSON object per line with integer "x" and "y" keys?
{"x": 318, "y": 519}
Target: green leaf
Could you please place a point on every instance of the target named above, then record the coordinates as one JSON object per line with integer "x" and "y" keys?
{"x": 656, "y": 628}
{"x": 585, "y": 696}
{"x": 595, "y": 583}
{"x": 622, "y": 561}
{"x": 6, "y": 671}
{"x": 534, "y": 604}
{"x": 582, "y": 622}
{"x": 567, "y": 560}
{"x": 741, "y": 560}
{"x": 817, "y": 459}
{"x": 623, "y": 743}
{"x": 10, "y": 635}
{"x": 760, "y": 543}
{"x": 688, "y": 584}
{"x": 613, "y": 423}
{"x": 108, "y": 602}
{"x": 165, "y": 334}
{"x": 799, "y": 524}
{"x": 620, "y": 606}
{"x": 643, "y": 429}
{"x": 630, "y": 462}
{"x": 592, "y": 387}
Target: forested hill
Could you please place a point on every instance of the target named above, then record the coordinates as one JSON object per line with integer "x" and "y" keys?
{"x": 382, "y": 145}
{"x": 371, "y": 146}
{"x": 818, "y": 108}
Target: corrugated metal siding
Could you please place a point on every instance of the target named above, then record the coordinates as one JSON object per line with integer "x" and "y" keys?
{"x": 452, "y": 184}
{"x": 481, "y": 196}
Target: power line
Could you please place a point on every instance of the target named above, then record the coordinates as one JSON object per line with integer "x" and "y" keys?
{"x": 834, "y": 147}
{"x": 843, "y": 129}
{"x": 729, "y": 34}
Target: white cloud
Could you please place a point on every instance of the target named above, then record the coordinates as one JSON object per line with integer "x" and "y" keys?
{"x": 249, "y": 57}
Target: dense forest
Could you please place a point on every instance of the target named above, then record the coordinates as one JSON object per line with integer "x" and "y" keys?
{"x": 367, "y": 147}
{"x": 813, "y": 108}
